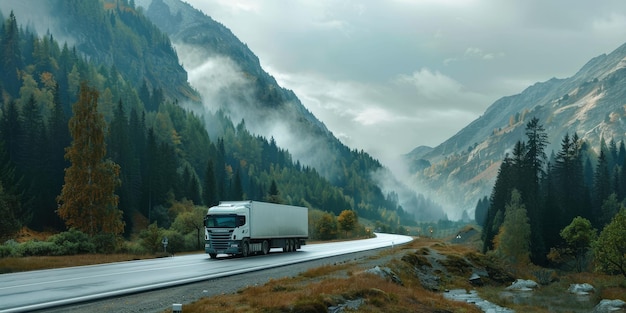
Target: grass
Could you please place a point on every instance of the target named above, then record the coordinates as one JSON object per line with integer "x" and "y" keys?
{"x": 301, "y": 295}
{"x": 10, "y": 265}
{"x": 330, "y": 285}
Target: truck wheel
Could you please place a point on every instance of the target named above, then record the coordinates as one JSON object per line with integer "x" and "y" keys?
{"x": 289, "y": 245}
{"x": 213, "y": 255}
{"x": 266, "y": 247}
{"x": 245, "y": 248}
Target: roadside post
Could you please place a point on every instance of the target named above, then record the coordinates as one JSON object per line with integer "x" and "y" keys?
{"x": 164, "y": 242}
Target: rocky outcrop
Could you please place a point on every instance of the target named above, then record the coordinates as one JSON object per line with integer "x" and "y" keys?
{"x": 581, "y": 289}
{"x": 610, "y": 306}
{"x": 523, "y": 285}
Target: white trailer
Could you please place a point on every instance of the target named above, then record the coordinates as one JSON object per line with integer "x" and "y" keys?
{"x": 247, "y": 227}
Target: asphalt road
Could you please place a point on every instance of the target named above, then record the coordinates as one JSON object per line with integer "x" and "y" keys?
{"x": 28, "y": 291}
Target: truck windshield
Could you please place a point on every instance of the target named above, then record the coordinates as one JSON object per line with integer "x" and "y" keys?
{"x": 227, "y": 221}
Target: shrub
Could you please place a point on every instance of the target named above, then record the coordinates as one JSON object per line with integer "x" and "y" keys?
{"x": 151, "y": 238}
{"x": 133, "y": 247}
{"x": 6, "y": 251}
{"x": 73, "y": 242}
{"x": 9, "y": 248}
{"x": 175, "y": 241}
{"x": 38, "y": 248}
{"x": 105, "y": 242}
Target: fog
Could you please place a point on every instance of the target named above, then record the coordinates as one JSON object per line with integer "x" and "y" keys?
{"x": 36, "y": 15}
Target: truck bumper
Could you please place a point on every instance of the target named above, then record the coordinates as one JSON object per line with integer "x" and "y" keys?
{"x": 231, "y": 248}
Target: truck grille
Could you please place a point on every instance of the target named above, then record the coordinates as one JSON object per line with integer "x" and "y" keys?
{"x": 220, "y": 241}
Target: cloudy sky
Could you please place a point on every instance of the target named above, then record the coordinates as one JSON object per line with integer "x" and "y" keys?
{"x": 388, "y": 76}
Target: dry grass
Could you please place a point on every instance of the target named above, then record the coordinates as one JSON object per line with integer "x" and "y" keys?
{"x": 294, "y": 295}
{"x": 317, "y": 289}
{"x": 10, "y": 265}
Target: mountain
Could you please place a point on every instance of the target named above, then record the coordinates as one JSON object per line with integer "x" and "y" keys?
{"x": 189, "y": 119}
{"x": 230, "y": 78}
{"x": 126, "y": 40}
{"x": 248, "y": 93}
{"x": 590, "y": 103}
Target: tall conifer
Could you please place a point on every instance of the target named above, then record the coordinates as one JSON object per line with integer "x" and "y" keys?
{"x": 88, "y": 201}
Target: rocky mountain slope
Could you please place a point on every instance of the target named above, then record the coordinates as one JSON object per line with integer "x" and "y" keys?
{"x": 590, "y": 103}
{"x": 230, "y": 78}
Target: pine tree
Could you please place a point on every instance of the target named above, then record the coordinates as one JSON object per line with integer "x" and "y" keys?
{"x": 11, "y": 208}
{"x": 601, "y": 188}
{"x": 500, "y": 194}
{"x": 210, "y": 186}
{"x": 273, "y": 195}
{"x": 535, "y": 159}
{"x": 480, "y": 214}
{"x": 88, "y": 201}
{"x": 11, "y": 60}
{"x": 570, "y": 191}
{"x": 59, "y": 138}
{"x": 120, "y": 151}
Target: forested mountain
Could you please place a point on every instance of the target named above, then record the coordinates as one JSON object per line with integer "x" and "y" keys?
{"x": 167, "y": 149}
{"x": 270, "y": 110}
{"x": 590, "y": 104}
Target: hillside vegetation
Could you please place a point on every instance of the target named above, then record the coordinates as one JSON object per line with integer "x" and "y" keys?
{"x": 169, "y": 165}
{"x": 414, "y": 278}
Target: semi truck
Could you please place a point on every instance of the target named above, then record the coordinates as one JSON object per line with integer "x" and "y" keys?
{"x": 253, "y": 227}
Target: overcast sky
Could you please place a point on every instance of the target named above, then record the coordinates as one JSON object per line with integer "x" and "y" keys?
{"x": 388, "y": 76}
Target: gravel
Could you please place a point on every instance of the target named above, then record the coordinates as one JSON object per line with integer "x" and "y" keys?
{"x": 161, "y": 300}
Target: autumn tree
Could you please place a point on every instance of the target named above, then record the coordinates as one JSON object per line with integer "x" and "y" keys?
{"x": 88, "y": 201}
{"x": 513, "y": 241}
{"x": 347, "y": 220}
{"x": 326, "y": 227}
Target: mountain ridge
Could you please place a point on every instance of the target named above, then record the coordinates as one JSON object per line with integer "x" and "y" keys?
{"x": 252, "y": 95}
{"x": 587, "y": 103}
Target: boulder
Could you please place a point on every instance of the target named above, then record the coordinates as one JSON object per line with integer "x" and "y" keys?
{"x": 610, "y": 306}
{"x": 385, "y": 272}
{"x": 581, "y": 289}
{"x": 476, "y": 280}
{"x": 523, "y": 285}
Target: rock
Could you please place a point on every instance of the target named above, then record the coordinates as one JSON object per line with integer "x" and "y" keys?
{"x": 476, "y": 280}
{"x": 351, "y": 305}
{"x": 472, "y": 297}
{"x": 429, "y": 281}
{"x": 385, "y": 272}
{"x": 523, "y": 285}
{"x": 610, "y": 306}
{"x": 581, "y": 289}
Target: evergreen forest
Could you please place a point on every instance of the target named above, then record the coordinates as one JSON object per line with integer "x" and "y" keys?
{"x": 565, "y": 199}
{"x": 156, "y": 153}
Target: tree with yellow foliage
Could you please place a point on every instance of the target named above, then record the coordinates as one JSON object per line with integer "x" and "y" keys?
{"x": 347, "y": 220}
{"x": 512, "y": 243}
{"x": 88, "y": 201}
